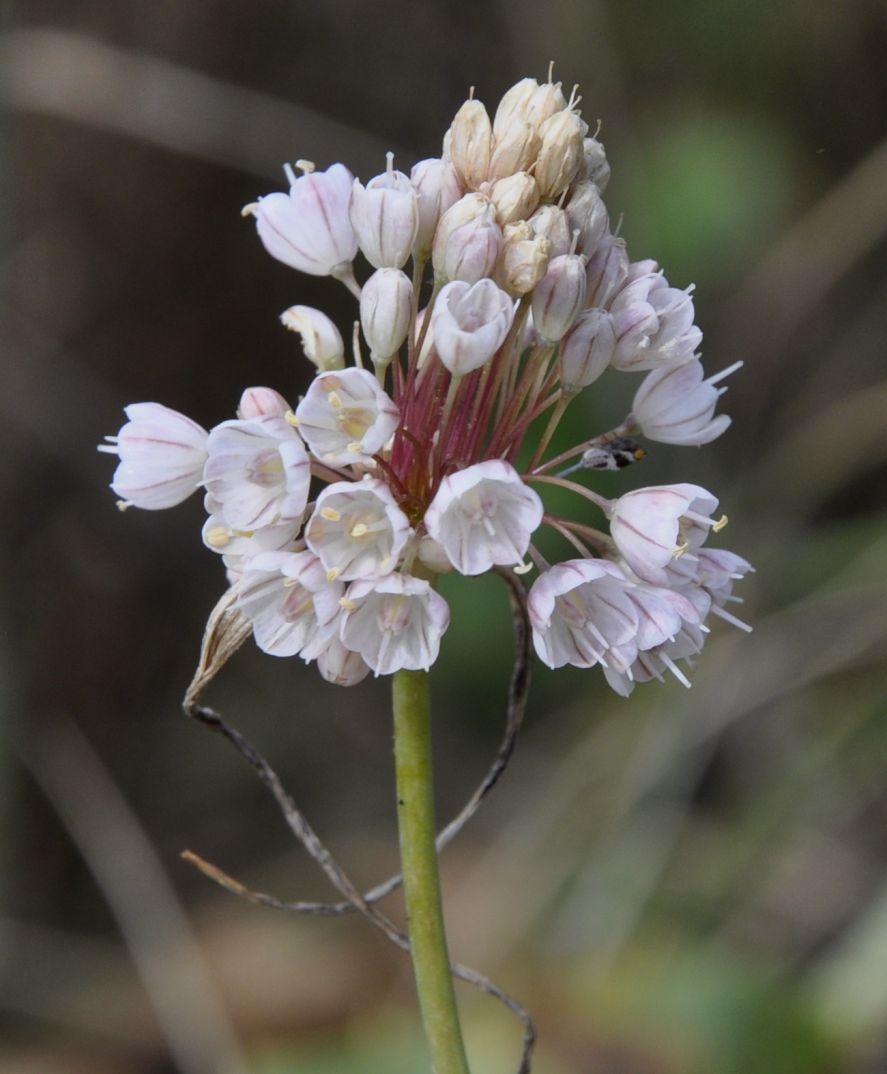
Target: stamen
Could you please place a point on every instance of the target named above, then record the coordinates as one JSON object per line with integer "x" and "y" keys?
{"x": 248, "y": 210}
{"x": 332, "y": 574}
{"x": 681, "y": 549}
{"x": 522, "y": 568}
{"x": 360, "y": 529}
{"x": 347, "y": 605}
{"x": 306, "y": 166}
{"x": 335, "y": 400}
{"x": 331, "y": 514}
{"x": 290, "y": 418}
{"x": 217, "y": 537}
{"x": 724, "y": 373}
{"x": 719, "y": 525}
{"x": 123, "y": 505}
{"x": 718, "y": 610}
{"x": 675, "y": 670}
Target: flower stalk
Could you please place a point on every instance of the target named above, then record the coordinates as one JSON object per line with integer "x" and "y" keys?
{"x": 421, "y": 879}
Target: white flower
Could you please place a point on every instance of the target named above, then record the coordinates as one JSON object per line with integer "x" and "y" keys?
{"x": 586, "y": 350}
{"x": 674, "y": 405}
{"x": 396, "y": 622}
{"x": 346, "y": 417}
{"x": 580, "y": 610}
{"x": 470, "y": 323}
{"x": 291, "y": 604}
{"x": 341, "y": 666}
{"x": 258, "y": 472}
{"x": 236, "y": 546}
{"x": 261, "y": 403}
{"x": 321, "y": 340}
{"x": 484, "y": 516}
{"x": 357, "y": 529}
{"x": 651, "y": 526}
{"x": 161, "y": 457}
{"x": 654, "y": 322}
{"x": 309, "y": 228}
{"x": 559, "y": 297}
{"x": 385, "y": 217}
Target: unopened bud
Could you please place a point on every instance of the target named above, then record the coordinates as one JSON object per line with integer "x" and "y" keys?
{"x": 467, "y": 240}
{"x": 433, "y": 556}
{"x": 594, "y": 167}
{"x": 321, "y": 341}
{"x": 515, "y": 197}
{"x": 385, "y": 217}
{"x": 523, "y": 260}
{"x": 385, "y": 304}
{"x": 561, "y": 152}
{"x": 559, "y": 297}
{"x": 437, "y": 188}
{"x": 550, "y": 222}
{"x": 587, "y": 215}
{"x": 469, "y": 144}
{"x": 606, "y": 271}
{"x": 586, "y": 350}
{"x": 261, "y": 403}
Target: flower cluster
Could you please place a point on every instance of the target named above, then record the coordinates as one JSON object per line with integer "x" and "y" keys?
{"x": 427, "y": 454}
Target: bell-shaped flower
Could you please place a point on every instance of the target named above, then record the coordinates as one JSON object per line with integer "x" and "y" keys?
{"x": 237, "y": 546}
{"x": 580, "y": 610}
{"x": 341, "y": 666}
{"x": 606, "y": 271}
{"x": 346, "y": 417}
{"x": 395, "y": 622}
{"x": 357, "y": 529}
{"x": 675, "y": 404}
{"x": 559, "y": 297}
{"x": 467, "y": 241}
{"x": 292, "y": 606}
{"x": 309, "y": 228}
{"x": 651, "y": 526}
{"x": 261, "y": 403}
{"x": 386, "y": 301}
{"x": 716, "y": 571}
{"x": 654, "y": 663}
{"x": 321, "y": 340}
{"x": 662, "y": 613}
{"x": 484, "y": 516}
{"x": 586, "y": 350}
{"x": 385, "y": 217}
{"x": 437, "y": 187}
{"x": 653, "y": 321}
{"x": 161, "y": 454}
{"x": 470, "y": 323}
{"x": 257, "y": 472}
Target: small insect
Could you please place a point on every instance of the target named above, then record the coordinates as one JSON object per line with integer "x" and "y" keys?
{"x": 613, "y": 454}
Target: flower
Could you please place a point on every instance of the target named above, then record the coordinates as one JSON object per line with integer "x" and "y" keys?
{"x": 433, "y": 454}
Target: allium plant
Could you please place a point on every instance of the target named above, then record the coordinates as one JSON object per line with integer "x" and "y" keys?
{"x": 497, "y": 293}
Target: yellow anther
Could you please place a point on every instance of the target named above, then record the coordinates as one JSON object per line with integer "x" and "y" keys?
{"x": 360, "y": 529}
{"x": 335, "y": 400}
{"x": 217, "y": 537}
{"x": 330, "y": 514}
{"x": 719, "y": 525}
{"x": 522, "y": 568}
{"x": 346, "y": 604}
{"x": 291, "y": 418}
{"x": 123, "y": 505}
{"x": 332, "y": 574}
{"x": 248, "y": 210}
{"x": 288, "y": 583}
{"x": 356, "y": 447}
{"x": 681, "y": 549}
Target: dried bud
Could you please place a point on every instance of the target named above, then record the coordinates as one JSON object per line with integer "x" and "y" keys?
{"x": 559, "y": 297}
{"x": 523, "y": 260}
{"x": 594, "y": 167}
{"x": 515, "y": 149}
{"x": 385, "y": 217}
{"x": 551, "y": 223}
{"x": 261, "y": 403}
{"x": 528, "y": 102}
{"x": 385, "y": 304}
{"x": 561, "y": 153}
{"x": 469, "y": 144}
{"x": 606, "y": 271}
{"x": 437, "y": 188}
{"x": 321, "y": 341}
{"x": 515, "y": 197}
{"x": 467, "y": 240}
{"x": 587, "y": 215}
{"x": 470, "y": 323}
{"x": 586, "y": 350}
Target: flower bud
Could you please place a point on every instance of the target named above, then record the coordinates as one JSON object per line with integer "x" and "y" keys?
{"x": 261, "y": 403}
{"x": 515, "y": 149}
{"x": 587, "y": 215}
{"x": 385, "y": 216}
{"x": 561, "y": 152}
{"x": 309, "y": 229}
{"x": 341, "y": 666}
{"x": 385, "y": 304}
{"x": 586, "y": 350}
{"x": 606, "y": 271}
{"x": 431, "y": 553}
{"x": 467, "y": 241}
{"x": 594, "y": 167}
{"x": 551, "y": 223}
{"x": 437, "y": 188}
{"x": 469, "y": 146}
{"x": 559, "y": 297}
{"x": 470, "y": 323}
{"x": 523, "y": 260}
{"x": 515, "y": 197}
{"x": 321, "y": 341}
{"x": 653, "y": 321}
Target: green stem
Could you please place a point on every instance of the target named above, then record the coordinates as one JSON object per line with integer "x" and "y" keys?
{"x": 421, "y": 880}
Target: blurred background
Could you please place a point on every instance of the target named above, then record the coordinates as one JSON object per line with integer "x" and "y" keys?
{"x": 689, "y": 882}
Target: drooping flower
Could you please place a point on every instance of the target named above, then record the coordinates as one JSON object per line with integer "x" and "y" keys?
{"x": 675, "y": 405}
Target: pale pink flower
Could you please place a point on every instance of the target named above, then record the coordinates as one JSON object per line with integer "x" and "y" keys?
{"x": 385, "y": 217}
{"x": 675, "y": 405}
{"x": 653, "y": 321}
{"x": 346, "y": 417}
{"x": 470, "y": 323}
